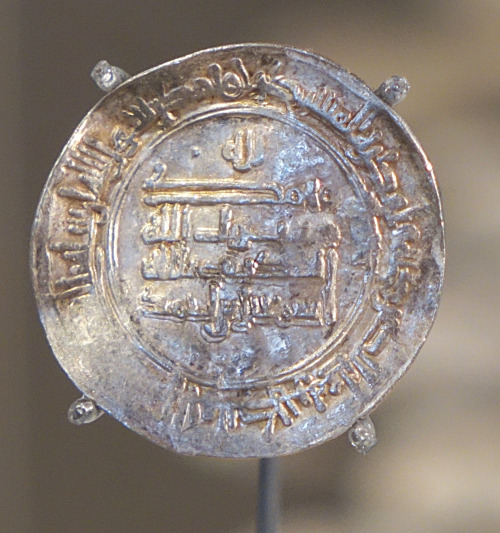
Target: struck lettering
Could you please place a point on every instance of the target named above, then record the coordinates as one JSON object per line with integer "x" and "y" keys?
{"x": 89, "y": 167}
{"x": 239, "y": 275}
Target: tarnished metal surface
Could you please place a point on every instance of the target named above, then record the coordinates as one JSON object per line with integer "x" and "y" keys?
{"x": 239, "y": 252}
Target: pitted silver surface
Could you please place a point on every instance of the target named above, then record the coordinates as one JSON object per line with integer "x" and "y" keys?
{"x": 239, "y": 252}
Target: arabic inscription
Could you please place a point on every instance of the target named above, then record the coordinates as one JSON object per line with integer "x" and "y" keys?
{"x": 241, "y": 245}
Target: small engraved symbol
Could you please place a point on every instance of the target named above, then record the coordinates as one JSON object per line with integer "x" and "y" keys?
{"x": 244, "y": 150}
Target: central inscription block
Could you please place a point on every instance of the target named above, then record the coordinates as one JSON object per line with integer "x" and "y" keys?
{"x": 238, "y": 249}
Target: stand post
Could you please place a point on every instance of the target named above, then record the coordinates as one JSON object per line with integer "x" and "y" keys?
{"x": 268, "y": 498}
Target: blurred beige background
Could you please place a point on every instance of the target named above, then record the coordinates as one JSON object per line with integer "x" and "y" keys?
{"x": 437, "y": 465}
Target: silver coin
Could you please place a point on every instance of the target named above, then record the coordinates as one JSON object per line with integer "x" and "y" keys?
{"x": 238, "y": 253}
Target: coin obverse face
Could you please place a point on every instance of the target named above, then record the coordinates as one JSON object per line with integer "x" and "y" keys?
{"x": 238, "y": 253}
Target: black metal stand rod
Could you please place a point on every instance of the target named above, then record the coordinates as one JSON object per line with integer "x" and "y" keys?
{"x": 268, "y": 498}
